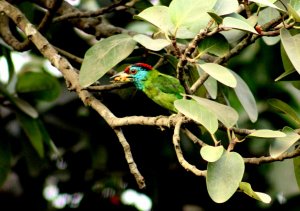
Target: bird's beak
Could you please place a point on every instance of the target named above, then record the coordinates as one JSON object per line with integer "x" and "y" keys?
{"x": 121, "y": 77}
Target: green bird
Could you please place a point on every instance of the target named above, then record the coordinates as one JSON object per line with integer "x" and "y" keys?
{"x": 161, "y": 88}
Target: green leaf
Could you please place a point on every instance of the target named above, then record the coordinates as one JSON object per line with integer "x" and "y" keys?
{"x": 198, "y": 113}
{"x": 211, "y": 153}
{"x": 296, "y": 162}
{"x": 246, "y": 98}
{"x": 227, "y": 115}
{"x": 151, "y": 44}
{"x": 266, "y": 3}
{"x": 224, "y": 7}
{"x": 224, "y": 176}
{"x": 5, "y": 160}
{"x": 159, "y": 17}
{"x": 247, "y": 189}
{"x": 287, "y": 64}
{"x": 294, "y": 9}
{"x": 10, "y": 64}
{"x": 216, "y": 17}
{"x": 38, "y": 85}
{"x": 190, "y": 14}
{"x": 33, "y": 132}
{"x": 211, "y": 85}
{"x": 282, "y": 144}
{"x": 216, "y": 45}
{"x": 236, "y": 23}
{"x": 20, "y": 104}
{"x": 220, "y": 73}
{"x": 286, "y": 109}
{"x": 25, "y": 107}
{"x": 265, "y": 133}
{"x": 233, "y": 36}
{"x": 291, "y": 46}
{"x": 103, "y": 56}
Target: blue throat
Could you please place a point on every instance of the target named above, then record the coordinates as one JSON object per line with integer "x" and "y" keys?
{"x": 139, "y": 79}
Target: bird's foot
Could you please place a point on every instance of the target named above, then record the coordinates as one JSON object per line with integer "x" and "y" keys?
{"x": 172, "y": 119}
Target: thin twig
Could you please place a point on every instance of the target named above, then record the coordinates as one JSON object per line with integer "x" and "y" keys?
{"x": 176, "y": 142}
{"x": 128, "y": 155}
{"x": 79, "y": 14}
{"x": 269, "y": 159}
{"x": 193, "y": 138}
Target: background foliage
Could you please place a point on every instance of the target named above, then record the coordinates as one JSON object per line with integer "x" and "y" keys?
{"x": 50, "y": 139}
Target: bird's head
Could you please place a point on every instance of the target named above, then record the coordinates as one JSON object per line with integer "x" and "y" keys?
{"x": 136, "y": 73}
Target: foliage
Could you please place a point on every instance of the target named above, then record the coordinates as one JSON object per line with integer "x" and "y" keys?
{"x": 200, "y": 43}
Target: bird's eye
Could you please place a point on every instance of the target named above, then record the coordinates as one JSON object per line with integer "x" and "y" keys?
{"x": 133, "y": 71}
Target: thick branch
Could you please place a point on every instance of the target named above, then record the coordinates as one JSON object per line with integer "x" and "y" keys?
{"x": 70, "y": 75}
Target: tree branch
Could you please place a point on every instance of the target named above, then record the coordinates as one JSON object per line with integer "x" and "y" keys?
{"x": 92, "y": 26}
{"x": 269, "y": 159}
{"x": 182, "y": 161}
{"x": 71, "y": 77}
{"x": 89, "y": 14}
{"x": 128, "y": 155}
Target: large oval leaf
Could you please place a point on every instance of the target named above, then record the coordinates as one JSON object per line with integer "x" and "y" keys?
{"x": 103, "y": 56}
{"x": 224, "y": 176}
{"x": 282, "y": 144}
{"x": 227, "y": 115}
{"x": 236, "y": 23}
{"x": 159, "y": 17}
{"x": 246, "y": 98}
{"x": 224, "y": 7}
{"x": 291, "y": 46}
{"x": 198, "y": 113}
{"x": 190, "y": 14}
{"x": 220, "y": 73}
{"x": 152, "y": 44}
{"x": 266, "y": 133}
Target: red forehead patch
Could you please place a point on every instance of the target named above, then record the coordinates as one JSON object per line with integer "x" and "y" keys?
{"x": 147, "y": 66}
{"x": 138, "y": 65}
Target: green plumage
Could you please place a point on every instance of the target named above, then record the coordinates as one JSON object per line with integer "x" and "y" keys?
{"x": 161, "y": 88}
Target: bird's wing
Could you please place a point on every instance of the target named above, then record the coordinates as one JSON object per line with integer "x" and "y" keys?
{"x": 168, "y": 84}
